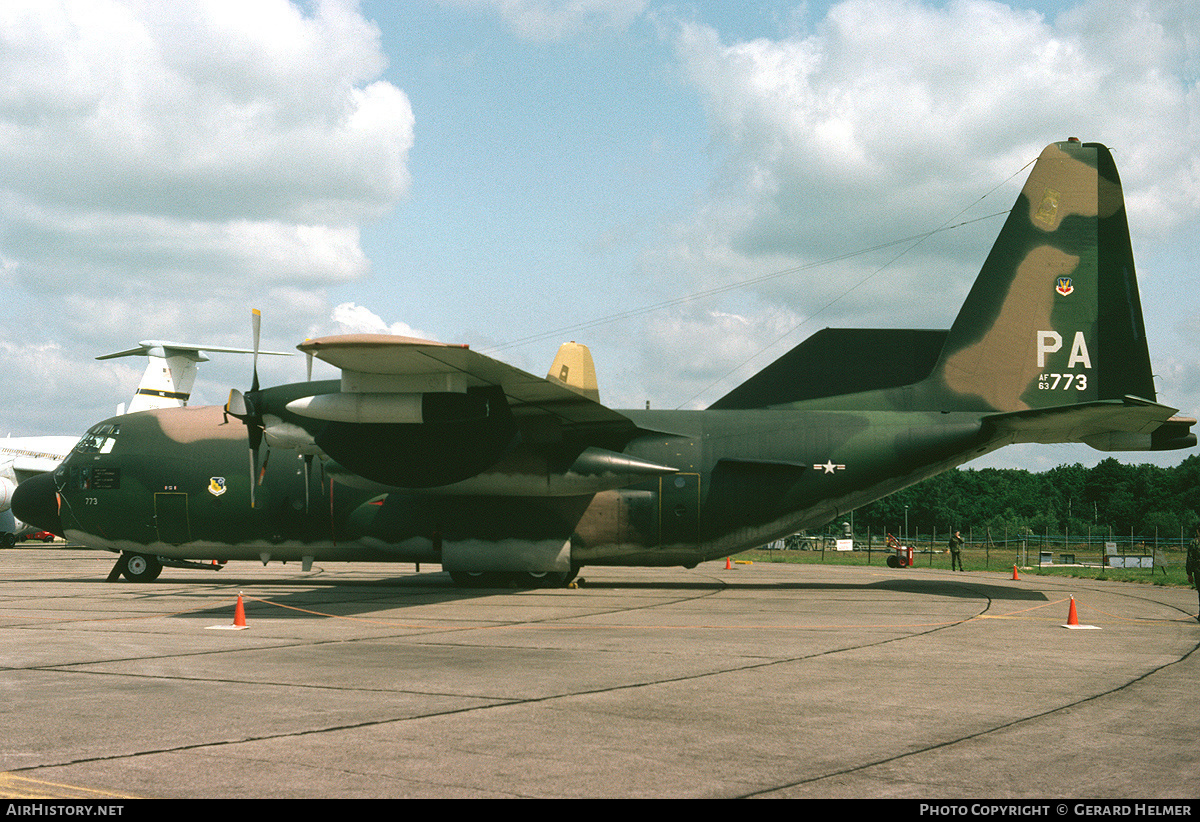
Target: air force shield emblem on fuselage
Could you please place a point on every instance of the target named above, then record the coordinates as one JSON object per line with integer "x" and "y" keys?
{"x": 216, "y": 486}
{"x": 1064, "y": 286}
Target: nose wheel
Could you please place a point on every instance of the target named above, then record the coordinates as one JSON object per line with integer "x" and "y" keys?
{"x": 136, "y": 568}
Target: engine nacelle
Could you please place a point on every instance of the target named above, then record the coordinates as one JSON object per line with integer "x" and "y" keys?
{"x": 459, "y": 436}
{"x": 394, "y": 407}
{"x": 7, "y": 487}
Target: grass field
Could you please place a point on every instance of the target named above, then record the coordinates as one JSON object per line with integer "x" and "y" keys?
{"x": 977, "y": 559}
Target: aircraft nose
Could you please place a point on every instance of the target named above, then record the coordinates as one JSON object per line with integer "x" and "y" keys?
{"x": 35, "y": 502}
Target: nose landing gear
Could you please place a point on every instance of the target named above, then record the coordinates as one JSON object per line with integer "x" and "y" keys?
{"x": 136, "y": 568}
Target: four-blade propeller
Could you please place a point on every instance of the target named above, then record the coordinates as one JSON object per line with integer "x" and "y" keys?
{"x": 248, "y": 408}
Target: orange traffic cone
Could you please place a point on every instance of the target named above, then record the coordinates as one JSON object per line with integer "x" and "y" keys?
{"x": 728, "y": 564}
{"x": 1015, "y": 575}
{"x": 1073, "y": 619}
{"x": 239, "y": 613}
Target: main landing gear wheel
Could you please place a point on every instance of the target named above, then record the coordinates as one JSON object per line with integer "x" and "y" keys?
{"x": 520, "y": 579}
{"x": 141, "y": 568}
{"x": 547, "y": 579}
{"x": 473, "y": 579}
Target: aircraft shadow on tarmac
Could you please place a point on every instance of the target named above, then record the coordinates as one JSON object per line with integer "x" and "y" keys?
{"x": 966, "y": 589}
{"x": 342, "y": 597}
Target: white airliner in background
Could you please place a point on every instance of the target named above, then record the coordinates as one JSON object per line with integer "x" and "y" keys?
{"x": 167, "y": 383}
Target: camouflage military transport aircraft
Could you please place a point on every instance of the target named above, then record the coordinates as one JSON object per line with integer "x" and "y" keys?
{"x": 434, "y": 453}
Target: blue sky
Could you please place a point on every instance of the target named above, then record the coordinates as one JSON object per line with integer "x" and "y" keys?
{"x": 506, "y": 173}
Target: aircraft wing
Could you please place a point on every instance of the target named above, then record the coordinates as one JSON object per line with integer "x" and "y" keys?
{"x": 25, "y": 457}
{"x": 412, "y": 413}
{"x": 25, "y": 467}
{"x": 377, "y": 364}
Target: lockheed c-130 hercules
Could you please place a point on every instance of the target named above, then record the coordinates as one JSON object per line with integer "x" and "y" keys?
{"x": 430, "y": 452}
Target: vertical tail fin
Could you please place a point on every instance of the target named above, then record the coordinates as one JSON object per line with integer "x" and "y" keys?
{"x": 169, "y": 375}
{"x": 171, "y": 372}
{"x": 1054, "y": 317}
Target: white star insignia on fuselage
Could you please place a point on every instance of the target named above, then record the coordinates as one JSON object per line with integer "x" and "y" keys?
{"x": 829, "y": 467}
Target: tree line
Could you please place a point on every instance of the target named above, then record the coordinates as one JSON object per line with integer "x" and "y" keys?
{"x": 1143, "y": 501}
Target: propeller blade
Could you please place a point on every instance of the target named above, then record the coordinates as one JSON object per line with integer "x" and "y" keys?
{"x": 248, "y": 408}
{"x": 236, "y": 407}
{"x": 256, "y": 322}
{"x": 310, "y": 362}
{"x": 308, "y": 458}
{"x": 253, "y": 471}
{"x": 254, "y": 435}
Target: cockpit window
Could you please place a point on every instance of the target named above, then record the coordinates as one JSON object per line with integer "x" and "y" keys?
{"x": 99, "y": 440}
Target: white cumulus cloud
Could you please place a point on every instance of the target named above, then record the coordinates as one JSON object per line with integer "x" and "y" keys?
{"x": 887, "y": 119}
{"x": 164, "y": 167}
{"x": 349, "y": 318}
{"x": 548, "y": 20}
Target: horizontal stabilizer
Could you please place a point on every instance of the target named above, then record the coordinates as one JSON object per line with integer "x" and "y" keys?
{"x": 195, "y": 353}
{"x": 1108, "y": 425}
{"x": 1172, "y": 435}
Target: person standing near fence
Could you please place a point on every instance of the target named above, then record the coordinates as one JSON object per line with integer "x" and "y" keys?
{"x": 1193, "y": 563}
{"x": 956, "y": 544}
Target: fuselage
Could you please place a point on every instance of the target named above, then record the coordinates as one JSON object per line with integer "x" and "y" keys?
{"x": 176, "y": 483}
